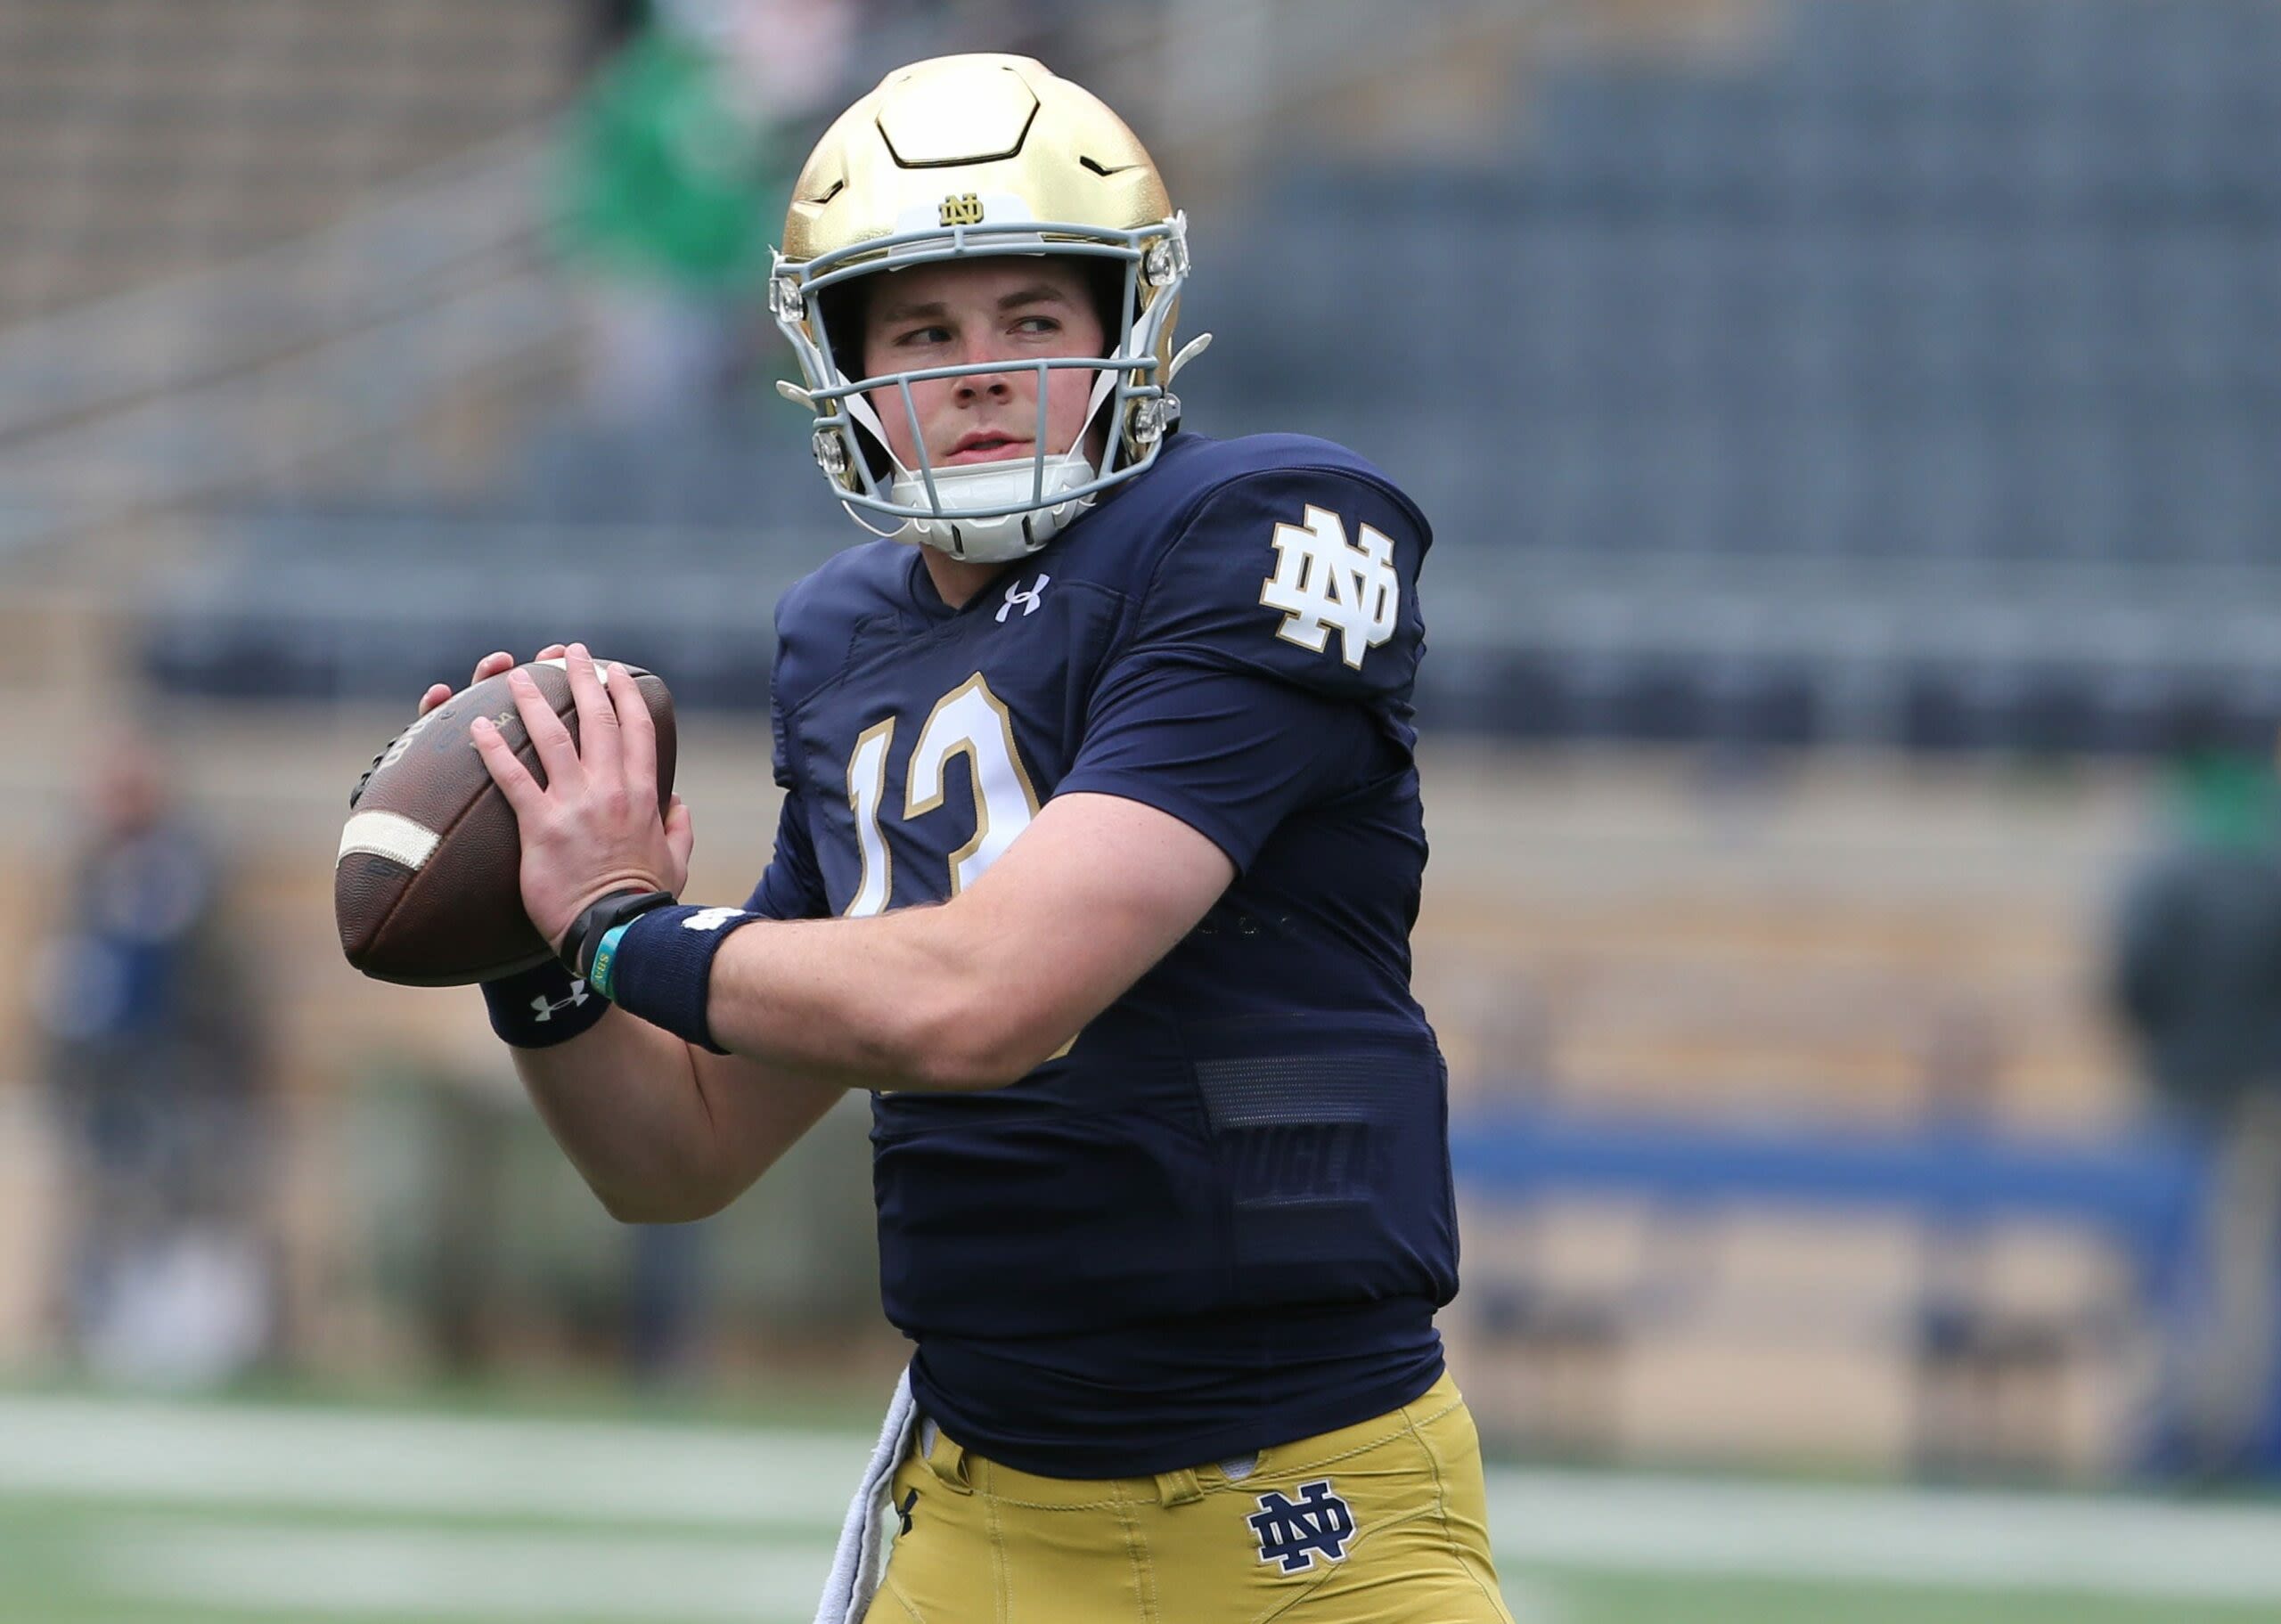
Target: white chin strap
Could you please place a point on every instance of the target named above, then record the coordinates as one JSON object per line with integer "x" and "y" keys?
{"x": 992, "y": 485}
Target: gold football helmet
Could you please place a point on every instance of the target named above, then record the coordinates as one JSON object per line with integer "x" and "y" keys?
{"x": 978, "y": 155}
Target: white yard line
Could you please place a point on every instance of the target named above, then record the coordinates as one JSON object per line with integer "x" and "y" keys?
{"x": 357, "y": 1461}
{"x": 2120, "y": 1547}
{"x": 635, "y": 1477}
{"x": 303, "y": 1571}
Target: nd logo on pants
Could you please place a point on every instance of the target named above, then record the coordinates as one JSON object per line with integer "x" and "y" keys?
{"x": 1381, "y": 1522}
{"x": 1319, "y": 1525}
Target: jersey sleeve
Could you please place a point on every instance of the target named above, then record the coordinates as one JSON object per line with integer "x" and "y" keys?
{"x": 1269, "y": 661}
{"x": 1231, "y": 754}
{"x": 1305, "y": 575}
{"x": 792, "y": 887}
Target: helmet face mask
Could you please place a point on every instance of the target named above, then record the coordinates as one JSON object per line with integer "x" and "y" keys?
{"x": 889, "y": 213}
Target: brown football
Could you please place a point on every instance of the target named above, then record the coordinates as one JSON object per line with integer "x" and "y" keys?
{"x": 425, "y": 888}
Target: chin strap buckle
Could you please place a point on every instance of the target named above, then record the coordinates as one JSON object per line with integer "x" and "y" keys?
{"x": 1152, "y": 417}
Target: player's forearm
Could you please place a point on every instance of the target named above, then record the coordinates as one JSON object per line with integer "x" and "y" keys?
{"x": 910, "y": 1000}
{"x": 624, "y": 1102}
{"x": 977, "y": 992}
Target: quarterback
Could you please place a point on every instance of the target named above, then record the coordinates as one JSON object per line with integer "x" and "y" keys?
{"x": 1100, "y": 851}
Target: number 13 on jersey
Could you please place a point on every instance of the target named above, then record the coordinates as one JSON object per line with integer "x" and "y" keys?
{"x": 968, "y": 721}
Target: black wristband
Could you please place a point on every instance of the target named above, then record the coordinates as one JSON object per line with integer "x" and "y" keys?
{"x": 586, "y": 931}
{"x": 543, "y": 1005}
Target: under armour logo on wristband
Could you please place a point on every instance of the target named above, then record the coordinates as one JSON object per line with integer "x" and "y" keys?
{"x": 711, "y": 918}
{"x": 545, "y": 1008}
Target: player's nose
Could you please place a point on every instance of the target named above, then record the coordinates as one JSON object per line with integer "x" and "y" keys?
{"x": 996, "y": 385}
{"x": 976, "y": 352}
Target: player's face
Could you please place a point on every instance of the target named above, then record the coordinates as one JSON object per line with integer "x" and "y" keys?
{"x": 965, "y": 313}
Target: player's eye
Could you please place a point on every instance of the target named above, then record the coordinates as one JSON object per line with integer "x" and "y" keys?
{"x": 923, "y": 336}
{"x": 1037, "y": 325}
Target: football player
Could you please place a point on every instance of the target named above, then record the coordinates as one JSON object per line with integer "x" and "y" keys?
{"x": 1099, "y": 849}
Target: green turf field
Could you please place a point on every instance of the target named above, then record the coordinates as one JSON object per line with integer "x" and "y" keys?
{"x": 132, "y": 1512}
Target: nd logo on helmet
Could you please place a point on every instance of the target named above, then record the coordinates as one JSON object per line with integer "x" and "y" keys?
{"x": 961, "y": 209}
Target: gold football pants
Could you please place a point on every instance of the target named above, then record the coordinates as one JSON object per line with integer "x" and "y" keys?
{"x": 1382, "y": 1522}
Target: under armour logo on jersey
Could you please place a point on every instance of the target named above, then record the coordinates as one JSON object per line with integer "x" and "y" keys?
{"x": 1026, "y": 601}
{"x": 1294, "y": 1533}
{"x": 543, "y": 1009}
{"x": 711, "y": 918}
{"x": 1324, "y": 584}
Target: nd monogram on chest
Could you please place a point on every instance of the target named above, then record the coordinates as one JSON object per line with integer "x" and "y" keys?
{"x": 970, "y": 719}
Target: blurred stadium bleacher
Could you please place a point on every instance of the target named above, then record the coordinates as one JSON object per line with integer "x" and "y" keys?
{"x": 1897, "y": 373}
{"x": 1905, "y": 374}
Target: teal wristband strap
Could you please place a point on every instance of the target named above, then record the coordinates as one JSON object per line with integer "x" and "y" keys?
{"x": 606, "y": 959}
{"x": 659, "y": 966}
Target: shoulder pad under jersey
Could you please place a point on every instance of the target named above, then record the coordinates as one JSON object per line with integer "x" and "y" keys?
{"x": 820, "y": 615}
{"x": 1291, "y": 556}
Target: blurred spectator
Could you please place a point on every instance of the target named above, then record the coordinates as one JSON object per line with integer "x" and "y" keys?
{"x": 609, "y": 25}
{"x": 156, "y": 1075}
{"x": 897, "y": 31}
{"x": 669, "y": 1302}
{"x": 2197, "y": 980}
{"x": 672, "y": 176}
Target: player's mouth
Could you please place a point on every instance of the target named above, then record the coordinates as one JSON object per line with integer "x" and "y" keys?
{"x": 986, "y": 445}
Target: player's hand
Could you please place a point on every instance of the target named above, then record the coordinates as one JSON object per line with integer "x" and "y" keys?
{"x": 593, "y": 828}
{"x": 489, "y": 666}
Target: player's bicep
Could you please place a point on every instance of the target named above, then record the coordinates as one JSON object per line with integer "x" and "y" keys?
{"x": 1231, "y": 754}
{"x": 1096, "y": 891}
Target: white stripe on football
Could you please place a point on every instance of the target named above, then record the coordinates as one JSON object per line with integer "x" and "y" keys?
{"x": 389, "y": 834}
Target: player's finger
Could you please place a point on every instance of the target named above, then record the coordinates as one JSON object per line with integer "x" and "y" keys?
{"x": 557, "y": 756}
{"x": 598, "y": 747}
{"x": 514, "y": 779}
{"x": 681, "y": 840}
{"x": 552, "y": 651}
{"x": 638, "y": 733}
{"x": 490, "y": 666}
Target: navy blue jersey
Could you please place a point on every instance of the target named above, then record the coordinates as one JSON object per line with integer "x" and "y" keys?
{"x": 1222, "y": 1219}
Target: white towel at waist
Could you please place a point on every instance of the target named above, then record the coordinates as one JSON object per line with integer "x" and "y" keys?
{"x": 862, "y": 1554}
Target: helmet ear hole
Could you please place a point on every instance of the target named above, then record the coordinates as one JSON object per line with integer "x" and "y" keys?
{"x": 1105, "y": 283}
{"x": 874, "y": 454}
{"x": 842, "y": 309}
